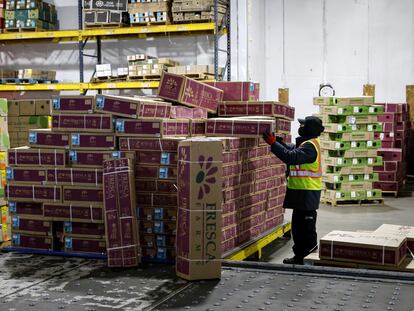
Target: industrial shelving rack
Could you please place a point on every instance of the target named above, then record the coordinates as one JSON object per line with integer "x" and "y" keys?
{"x": 83, "y": 36}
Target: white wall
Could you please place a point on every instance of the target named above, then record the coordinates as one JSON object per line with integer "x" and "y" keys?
{"x": 365, "y": 41}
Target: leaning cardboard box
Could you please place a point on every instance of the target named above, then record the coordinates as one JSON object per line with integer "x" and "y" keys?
{"x": 120, "y": 214}
{"x": 199, "y": 209}
{"x": 363, "y": 247}
{"x": 189, "y": 92}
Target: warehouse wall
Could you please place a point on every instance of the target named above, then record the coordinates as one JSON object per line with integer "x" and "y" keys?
{"x": 360, "y": 41}
{"x": 364, "y": 41}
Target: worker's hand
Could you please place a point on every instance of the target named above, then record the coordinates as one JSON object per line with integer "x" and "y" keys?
{"x": 270, "y": 138}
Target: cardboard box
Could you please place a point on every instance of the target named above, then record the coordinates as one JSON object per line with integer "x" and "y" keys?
{"x": 25, "y": 156}
{"x": 198, "y": 127}
{"x": 91, "y": 141}
{"x": 238, "y": 91}
{"x": 82, "y": 195}
{"x": 25, "y": 175}
{"x": 159, "y": 186}
{"x": 199, "y": 214}
{"x": 363, "y": 247}
{"x": 73, "y": 176}
{"x": 239, "y": 127}
{"x": 158, "y": 226}
{"x": 150, "y": 240}
{"x": 31, "y": 241}
{"x": 26, "y": 208}
{"x": 73, "y": 104}
{"x": 258, "y": 108}
{"x": 156, "y": 172}
{"x": 115, "y": 5}
{"x": 3, "y": 107}
{"x": 82, "y": 123}
{"x": 189, "y": 92}
{"x": 34, "y": 193}
{"x": 95, "y": 159}
{"x": 402, "y": 231}
{"x": 45, "y": 138}
{"x": 22, "y": 224}
{"x": 27, "y": 108}
{"x": 82, "y": 229}
{"x": 156, "y": 158}
{"x": 132, "y": 107}
{"x": 83, "y": 245}
{"x": 344, "y": 101}
{"x": 19, "y": 124}
{"x": 157, "y": 213}
{"x": 152, "y": 128}
{"x": 13, "y": 108}
{"x": 150, "y": 144}
{"x": 73, "y": 213}
{"x": 43, "y": 107}
{"x": 120, "y": 217}
{"x": 156, "y": 199}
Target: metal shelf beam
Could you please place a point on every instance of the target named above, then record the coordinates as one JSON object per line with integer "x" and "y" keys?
{"x": 109, "y": 33}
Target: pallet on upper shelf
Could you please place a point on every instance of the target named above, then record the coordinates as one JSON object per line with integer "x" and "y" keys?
{"x": 26, "y": 81}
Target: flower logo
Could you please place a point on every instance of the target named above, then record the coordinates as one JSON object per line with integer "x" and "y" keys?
{"x": 171, "y": 84}
{"x": 205, "y": 175}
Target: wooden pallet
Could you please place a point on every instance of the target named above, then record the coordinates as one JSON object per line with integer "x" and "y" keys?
{"x": 33, "y": 29}
{"x": 313, "y": 259}
{"x": 135, "y": 78}
{"x": 350, "y": 203}
{"x": 136, "y": 24}
{"x": 152, "y": 77}
{"x": 107, "y": 25}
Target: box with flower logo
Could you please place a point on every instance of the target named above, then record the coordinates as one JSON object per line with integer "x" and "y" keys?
{"x": 25, "y": 156}
{"x": 169, "y": 144}
{"x": 152, "y": 128}
{"x": 199, "y": 209}
{"x": 238, "y": 90}
{"x": 73, "y": 104}
{"x": 92, "y": 141}
{"x": 132, "y": 107}
{"x": 81, "y": 194}
{"x": 82, "y": 122}
{"x": 240, "y": 127}
{"x": 189, "y": 92}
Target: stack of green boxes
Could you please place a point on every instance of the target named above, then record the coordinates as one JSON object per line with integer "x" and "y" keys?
{"x": 349, "y": 150}
{"x": 29, "y": 14}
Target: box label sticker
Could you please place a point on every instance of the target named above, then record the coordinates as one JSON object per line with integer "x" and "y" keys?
{"x": 32, "y": 137}
{"x": 165, "y": 158}
{"x": 163, "y": 173}
{"x": 120, "y": 126}
{"x": 75, "y": 139}
{"x": 9, "y": 174}
{"x": 68, "y": 242}
{"x": 16, "y": 239}
{"x": 56, "y": 103}
{"x": 100, "y": 102}
{"x": 73, "y": 156}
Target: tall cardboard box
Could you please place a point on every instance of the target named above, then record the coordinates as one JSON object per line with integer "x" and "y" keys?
{"x": 199, "y": 209}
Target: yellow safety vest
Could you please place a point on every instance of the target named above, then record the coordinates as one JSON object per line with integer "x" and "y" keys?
{"x": 307, "y": 176}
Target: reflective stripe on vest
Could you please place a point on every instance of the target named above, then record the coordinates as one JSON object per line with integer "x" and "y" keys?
{"x": 307, "y": 176}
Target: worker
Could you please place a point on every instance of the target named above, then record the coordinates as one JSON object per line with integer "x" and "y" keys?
{"x": 304, "y": 183}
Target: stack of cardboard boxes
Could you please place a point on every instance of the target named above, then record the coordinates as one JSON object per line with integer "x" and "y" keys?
{"x": 387, "y": 246}
{"x": 25, "y": 115}
{"x": 54, "y": 188}
{"x": 199, "y": 72}
{"x": 142, "y": 66}
{"x": 198, "y": 10}
{"x": 150, "y": 12}
{"x": 410, "y": 146}
{"x": 105, "y": 13}
{"x": 4, "y": 145}
{"x": 30, "y": 14}
{"x": 349, "y": 148}
{"x": 394, "y": 139}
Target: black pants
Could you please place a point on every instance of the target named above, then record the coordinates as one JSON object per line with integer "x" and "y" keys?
{"x": 304, "y": 232}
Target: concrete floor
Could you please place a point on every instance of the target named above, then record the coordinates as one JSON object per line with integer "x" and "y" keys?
{"x": 399, "y": 211}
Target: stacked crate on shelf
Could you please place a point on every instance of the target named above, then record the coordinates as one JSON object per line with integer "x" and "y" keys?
{"x": 142, "y": 66}
{"x": 4, "y": 145}
{"x": 29, "y": 15}
{"x": 394, "y": 139}
{"x": 349, "y": 149}
{"x": 149, "y": 12}
{"x": 198, "y": 10}
{"x": 105, "y": 13}
{"x": 25, "y": 115}
{"x": 198, "y": 72}
{"x": 54, "y": 187}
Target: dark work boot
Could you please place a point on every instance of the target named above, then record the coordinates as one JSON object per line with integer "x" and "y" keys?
{"x": 293, "y": 261}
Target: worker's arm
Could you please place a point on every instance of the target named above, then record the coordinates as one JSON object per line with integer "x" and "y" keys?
{"x": 287, "y": 146}
{"x": 305, "y": 153}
